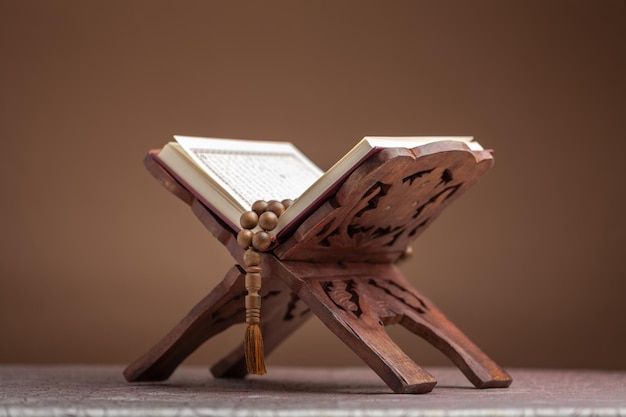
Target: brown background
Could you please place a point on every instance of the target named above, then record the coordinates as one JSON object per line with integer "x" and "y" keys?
{"x": 98, "y": 261}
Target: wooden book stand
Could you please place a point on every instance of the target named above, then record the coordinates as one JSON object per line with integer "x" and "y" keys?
{"x": 339, "y": 266}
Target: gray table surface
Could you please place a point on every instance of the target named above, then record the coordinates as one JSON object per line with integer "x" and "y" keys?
{"x": 101, "y": 391}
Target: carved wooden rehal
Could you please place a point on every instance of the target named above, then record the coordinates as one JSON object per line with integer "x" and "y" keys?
{"x": 339, "y": 265}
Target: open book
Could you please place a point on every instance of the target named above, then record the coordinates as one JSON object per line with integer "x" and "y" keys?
{"x": 229, "y": 175}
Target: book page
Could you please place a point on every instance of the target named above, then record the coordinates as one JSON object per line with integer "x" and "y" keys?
{"x": 253, "y": 170}
{"x": 413, "y": 141}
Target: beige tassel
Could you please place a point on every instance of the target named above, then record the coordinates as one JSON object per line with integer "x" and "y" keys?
{"x": 255, "y": 358}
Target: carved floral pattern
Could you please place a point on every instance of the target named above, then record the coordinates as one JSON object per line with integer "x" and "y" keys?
{"x": 343, "y": 294}
{"x": 388, "y": 212}
{"x": 349, "y": 296}
{"x": 384, "y": 205}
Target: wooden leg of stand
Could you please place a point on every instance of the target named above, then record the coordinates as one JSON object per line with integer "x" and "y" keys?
{"x": 280, "y": 317}
{"x": 356, "y": 300}
{"x": 445, "y": 336}
{"x": 219, "y": 310}
{"x": 357, "y": 326}
{"x": 423, "y": 318}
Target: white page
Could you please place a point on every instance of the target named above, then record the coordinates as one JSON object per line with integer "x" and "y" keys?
{"x": 253, "y": 170}
{"x": 413, "y": 141}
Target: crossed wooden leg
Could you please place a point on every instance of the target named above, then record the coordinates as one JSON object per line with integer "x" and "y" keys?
{"x": 278, "y": 320}
{"x": 220, "y": 309}
{"x": 428, "y": 322}
{"x": 356, "y": 301}
{"x": 338, "y": 304}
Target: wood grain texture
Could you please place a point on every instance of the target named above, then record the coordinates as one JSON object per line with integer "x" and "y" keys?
{"x": 220, "y": 309}
{"x": 356, "y": 301}
{"x": 386, "y": 203}
{"x": 339, "y": 266}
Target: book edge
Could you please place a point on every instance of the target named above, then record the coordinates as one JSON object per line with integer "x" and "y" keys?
{"x": 226, "y": 212}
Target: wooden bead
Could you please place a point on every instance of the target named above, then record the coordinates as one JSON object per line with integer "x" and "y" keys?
{"x": 275, "y": 207}
{"x": 287, "y": 203}
{"x": 253, "y": 301}
{"x": 244, "y": 238}
{"x": 253, "y": 315}
{"x": 261, "y": 240}
{"x": 259, "y": 206}
{"x": 253, "y": 269}
{"x": 253, "y": 282}
{"x": 268, "y": 221}
{"x": 249, "y": 220}
{"x": 252, "y": 257}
